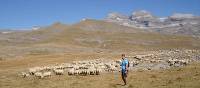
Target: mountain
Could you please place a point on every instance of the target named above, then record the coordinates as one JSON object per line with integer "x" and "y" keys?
{"x": 90, "y": 36}
{"x": 107, "y": 35}
{"x": 178, "y": 23}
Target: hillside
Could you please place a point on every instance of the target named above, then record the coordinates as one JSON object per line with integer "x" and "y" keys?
{"x": 90, "y": 36}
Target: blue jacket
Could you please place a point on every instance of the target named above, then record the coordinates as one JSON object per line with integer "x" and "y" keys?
{"x": 124, "y": 63}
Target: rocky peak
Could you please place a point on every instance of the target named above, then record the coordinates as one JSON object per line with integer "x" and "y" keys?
{"x": 177, "y": 23}
{"x": 116, "y": 16}
{"x": 141, "y": 14}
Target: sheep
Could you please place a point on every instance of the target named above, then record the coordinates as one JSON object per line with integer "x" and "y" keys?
{"x": 83, "y": 67}
{"x": 118, "y": 61}
{"x": 110, "y": 67}
{"x": 102, "y": 66}
{"x": 69, "y": 66}
{"x": 39, "y": 74}
{"x": 46, "y": 74}
{"x": 98, "y": 71}
{"x": 133, "y": 63}
{"x": 139, "y": 57}
{"x": 32, "y": 71}
{"x": 23, "y": 74}
{"x": 184, "y": 62}
{"x": 83, "y": 72}
{"x": 176, "y": 61}
{"x": 76, "y": 67}
{"x": 172, "y": 61}
{"x": 59, "y": 71}
{"x": 153, "y": 61}
{"x": 59, "y": 67}
{"x": 76, "y": 72}
{"x": 91, "y": 71}
{"x": 88, "y": 71}
{"x": 71, "y": 72}
{"x": 47, "y": 68}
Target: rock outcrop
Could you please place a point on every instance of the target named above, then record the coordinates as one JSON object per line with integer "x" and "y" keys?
{"x": 178, "y": 23}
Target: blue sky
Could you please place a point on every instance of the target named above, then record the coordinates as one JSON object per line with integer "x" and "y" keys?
{"x": 28, "y": 13}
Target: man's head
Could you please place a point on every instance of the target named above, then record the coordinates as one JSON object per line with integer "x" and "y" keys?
{"x": 123, "y": 56}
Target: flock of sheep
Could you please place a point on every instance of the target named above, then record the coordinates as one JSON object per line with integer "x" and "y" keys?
{"x": 98, "y": 66}
{"x": 90, "y": 67}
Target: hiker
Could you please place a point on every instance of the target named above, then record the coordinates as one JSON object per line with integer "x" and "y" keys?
{"x": 124, "y": 68}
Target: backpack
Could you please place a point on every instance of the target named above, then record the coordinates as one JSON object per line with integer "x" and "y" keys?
{"x": 128, "y": 64}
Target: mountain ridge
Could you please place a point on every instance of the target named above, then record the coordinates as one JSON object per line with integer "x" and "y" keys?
{"x": 178, "y": 23}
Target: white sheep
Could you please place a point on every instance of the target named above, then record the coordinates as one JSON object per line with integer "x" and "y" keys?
{"x": 32, "y": 71}
{"x": 71, "y": 72}
{"x": 98, "y": 71}
{"x": 46, "y": 74}
{"x": 139, "y": 57}
{"x": 59, "y": 71}
{"x": 118, "y": 61}
{"x": 47, "y": 68}
{"x": 39, "y": 74}
{"x": 76, "y": 67}
{"x": 91, "y": 71}
{"x": 76, "y": 72}
{"x": 153, "y": 61}
{"x": 176, "y": 61}
{"x": 23, "y": 74}
{"x": 184, "y": 62}
{"x": 84, "y": 72}
{"x": 112, "y": 68}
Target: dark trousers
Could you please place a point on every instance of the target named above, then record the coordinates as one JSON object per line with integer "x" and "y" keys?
{"x": 124, "y": 75}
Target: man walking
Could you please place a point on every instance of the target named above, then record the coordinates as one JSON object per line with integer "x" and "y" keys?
{"x": 124, "y": 68}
